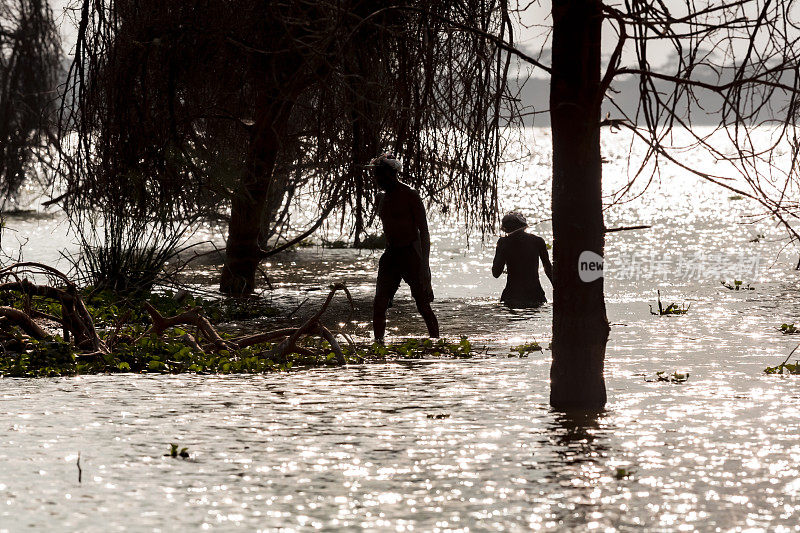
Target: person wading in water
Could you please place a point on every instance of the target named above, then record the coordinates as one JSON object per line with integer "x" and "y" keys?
{"x": 520, "y": 253}
{"x": 408, "y": 246}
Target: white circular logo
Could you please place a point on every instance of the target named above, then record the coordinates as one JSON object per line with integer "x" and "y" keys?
{"x": 590, "y": 266}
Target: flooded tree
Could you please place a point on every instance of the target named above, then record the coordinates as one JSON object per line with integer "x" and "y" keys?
{"x": 580, "y": 326}
{"x": 735, "y": 63}
{"x": 29, "y": 69}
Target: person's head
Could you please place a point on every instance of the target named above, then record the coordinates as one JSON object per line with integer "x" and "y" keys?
{"x": 385, "y": 168}
{"x": 513, "y": 221}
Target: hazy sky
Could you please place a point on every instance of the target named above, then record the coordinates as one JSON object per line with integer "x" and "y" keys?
{"x": 532, "y": 30}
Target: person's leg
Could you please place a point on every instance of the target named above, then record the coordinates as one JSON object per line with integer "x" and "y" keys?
{"x": 379, "y": 307}
{"x": 425, "y": 309}
{"x": 421, "y": 291}
{"x": 385, "y": 288}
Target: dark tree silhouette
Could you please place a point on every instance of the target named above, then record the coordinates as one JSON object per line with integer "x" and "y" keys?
{"x": 184, "y": 110}
{"x": 29, "y": 69}
{"x": 577, "y": 370}
{"x": 737, "y": 62}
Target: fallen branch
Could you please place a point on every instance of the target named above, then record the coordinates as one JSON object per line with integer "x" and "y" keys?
{"x": 626, "y": 228}
{"x": 328, "y": 336}
{"x": 192, "y": 317}
{"x": 75, "y": 318}
{"x": 288, "y": 337}
{"x": 24, "y": 322}
{"x": 311, "y": 324}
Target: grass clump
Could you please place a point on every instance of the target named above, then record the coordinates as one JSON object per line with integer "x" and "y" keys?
{"x": 737, "y": 285}
{"x": 671, "y": 309}
{"x": 183, "y": 453}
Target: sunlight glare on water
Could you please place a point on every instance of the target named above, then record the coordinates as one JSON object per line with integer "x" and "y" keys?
{"x": 355, "y": 447}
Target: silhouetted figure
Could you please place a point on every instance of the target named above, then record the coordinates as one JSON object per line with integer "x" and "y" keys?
{"x": 408, "y": 246}
{"x": 520, "y": 252}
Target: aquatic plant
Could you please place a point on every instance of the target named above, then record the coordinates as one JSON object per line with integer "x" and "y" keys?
{"x": 623, "y": 473}
{"x": 737, "y": 286}
{"x": 785, "y": 367}
{"x": 671, "y": 309}
{"x": 174, "y": 452}
{"x": 674, "y": 377}
{"x": 174, "y": 353}
{"x": 417, "y": 349}
{"x": 438, "y": 416}
{"x": 789, "y": 329}
{"x": 523, "y": 350}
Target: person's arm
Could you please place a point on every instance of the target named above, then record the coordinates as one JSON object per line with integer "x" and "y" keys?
{"x": 499, "y": 262}
{"x": 545, "y": 257}
{"x": 421, "y": 222}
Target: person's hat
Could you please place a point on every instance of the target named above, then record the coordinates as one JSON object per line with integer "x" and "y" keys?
{"x": 513, "y": 221}
{"x": 388, "y": 159}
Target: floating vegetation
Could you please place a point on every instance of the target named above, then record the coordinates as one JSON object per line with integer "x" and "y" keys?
{"x": 758, "y": 238}
{"x": 167, "y": 333}
{"x": 438, "y": 416}
{"x": 623, "y": 473}
{"x": 789, "y": 329}
{"x": 674, "y": 377}
{"x": 523, "y": 350}
{"x": 735, "y": 197}
{"x": 174, "y": 353}
{"x": 417, "y": 349}
{"x": 174, "y": 453}
{"x": 737, "y": 286}
{"x": 671, "y": 309}
{"x": 785, "y": 368}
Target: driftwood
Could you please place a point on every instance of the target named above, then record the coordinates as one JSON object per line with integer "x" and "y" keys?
{"x": 77, "y": 322}
{"x": 288, "y": 336}
{"x": 192, "y": 317}
{"x": 23, "y": 321}
{"x": 75, "y": 318}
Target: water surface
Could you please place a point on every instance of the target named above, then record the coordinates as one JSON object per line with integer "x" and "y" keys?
{"x": 355, "y": 448}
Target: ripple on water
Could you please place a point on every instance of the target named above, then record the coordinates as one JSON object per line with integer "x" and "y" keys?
{"x": 354, "y": 448}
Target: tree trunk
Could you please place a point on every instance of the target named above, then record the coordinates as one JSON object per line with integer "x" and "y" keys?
{"x": 580, "y": 326}
{"x": 242, "y": 250}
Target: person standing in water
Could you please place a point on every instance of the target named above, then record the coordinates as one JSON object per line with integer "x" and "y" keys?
{"x": 408, "y": 246}
{"x": 520, "y": 253}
